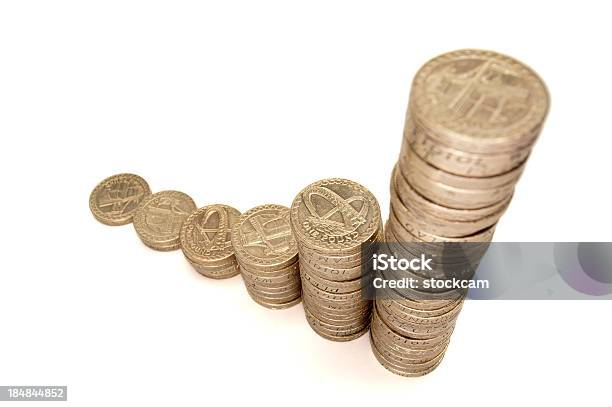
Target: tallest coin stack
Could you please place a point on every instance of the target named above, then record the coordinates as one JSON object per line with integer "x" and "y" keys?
{"x": 472, "y": 120}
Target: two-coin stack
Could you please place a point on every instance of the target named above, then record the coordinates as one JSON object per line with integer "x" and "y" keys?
{"x": 472, "y": 120}
{"x": 159, "y": 218}
{"x": 206, "y": 241}
{"x": 267, "y": 253}
{"x": 331, "y": 219}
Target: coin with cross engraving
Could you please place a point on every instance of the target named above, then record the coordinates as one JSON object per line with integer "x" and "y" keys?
{"x": 114, "y": 200}
{"x": 479, "y": 101}
{"x": 159, "y": 218}
{"x": 262, "y": 237}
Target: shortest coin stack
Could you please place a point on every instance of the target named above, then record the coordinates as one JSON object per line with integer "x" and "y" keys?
{"x": 159, "y": 218}
{"x": 114, "y": 200}
{"x": 267, "y": 253}
{"x": 331, "y": 219}
{"x": 206, "y": 241}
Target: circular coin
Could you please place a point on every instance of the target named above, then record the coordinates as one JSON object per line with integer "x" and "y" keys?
{"x": 262, "y": 237}
{"x": 335, "y": 216}
{"x": 206, "y": 235}
{"x": 479, "y": 101}
{"x": 159, "y": 218}
{"x": 114, "y": 200}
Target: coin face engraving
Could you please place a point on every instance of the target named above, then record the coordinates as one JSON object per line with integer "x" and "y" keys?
{"x": 263, "y": 236}
{"x": 270, "y": 235}
{"x": 159, "y": 218}
{"x": 164, "y": 216}
{"x": 206, "y": 233}
{"x": 332, "y": 217}
{"x": 482, "y": 92}
{"x": 335, "y": 214}
{"x": 479, "y": 94}
{"x": 116, "y": 198}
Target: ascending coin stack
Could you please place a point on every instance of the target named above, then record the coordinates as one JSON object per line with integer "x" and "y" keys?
{"x": 331, "y": 219}
{"x": 472, "y": 120}
{"x": 206, "y": 241}
{"x": 268, "y": 256}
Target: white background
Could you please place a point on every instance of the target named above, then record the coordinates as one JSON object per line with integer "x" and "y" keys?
{"x": 245, "y": 103}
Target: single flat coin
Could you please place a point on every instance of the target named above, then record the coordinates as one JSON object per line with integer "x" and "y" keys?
{"x": 114, "y": 200}
{"x": 335, "y": 216}
{"x": 479, "y": 101}
{"x": 159, "y": 218}
{"x": 206, "y": 235}
{"x": 262, "y": 238}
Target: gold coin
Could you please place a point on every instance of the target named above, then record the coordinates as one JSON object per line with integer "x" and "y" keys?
{"x": 438, "y": 226}
{"x": 335, "y": 216}
{"x": 274, "y": 305}
{"x": 206, "y": 235}
{"x": 409, "y": 197}
{"x": 409, "y": 231}
{"x": 334, "y": 273}
{"x": 486, "y": 184}
{"x": 159, "y": 218}
{"x": 262, "y": 237}
{"x": 384, "y": 330}
{"x": 114, "y": 200}
{"x": 288, "y": 272}
{"x": 460, "y": 162}
{"x": 479, "y": 101}
{"x": 216, "y": 273}
{"x": 454, "y": 197}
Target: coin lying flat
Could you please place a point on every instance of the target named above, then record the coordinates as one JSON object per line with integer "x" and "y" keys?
{"x": 479, "y": 101}
{"x": 159, "y": 218}
{"x": 114, "y": 200}
{"x": 335, "y": 216}
{"x": 206, "y": 240}
{"x": 263, "y": 237}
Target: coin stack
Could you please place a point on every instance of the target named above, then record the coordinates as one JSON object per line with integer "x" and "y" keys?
{"x": 331, "y": 219}
{"x": 472, "y": 120}
{"x": 206, "y": 241}
{"x": 267, "y": 253}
